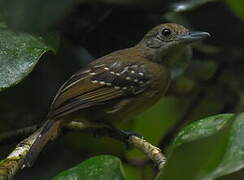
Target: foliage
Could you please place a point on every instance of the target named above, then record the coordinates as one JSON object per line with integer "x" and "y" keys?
{"x": 99, "y": 167}
{"x": 19, "y": 54}
{"x": 222, "y": 137}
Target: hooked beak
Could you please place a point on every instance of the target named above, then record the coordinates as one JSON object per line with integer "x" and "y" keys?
{"x": 193, "y": 37}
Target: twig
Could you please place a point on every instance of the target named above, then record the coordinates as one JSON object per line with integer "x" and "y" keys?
{"x": 10, "y": 165}
{"x": 153, "y": 152}
{"x": 17, "y": 135}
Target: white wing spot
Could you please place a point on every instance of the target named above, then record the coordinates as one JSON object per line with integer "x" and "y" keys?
{"x": 102, "y": 82}
{"x": 112, "y": 72}
{"x": 118, "y": 74}
{"x": 108, "y": 84}
{"x": 95, "y": 81}
{"x": 100, "y": 65}
{"x": 128, "y": 78}
{"x": 116, "y": 87}
{"x": 87, "y": 71}
{"x": 133, "y": 72}
{"x": 141, "y": 82}
{"x": 124, "y": 88}
{"x": 92, "y": 73}
{"x": 136, "y": 80}
{"x": 106, "y": 68}
{"x": 141, "y": 74}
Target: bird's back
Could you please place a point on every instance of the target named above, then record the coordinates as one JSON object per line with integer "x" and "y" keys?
{"x": 113, "y": 81}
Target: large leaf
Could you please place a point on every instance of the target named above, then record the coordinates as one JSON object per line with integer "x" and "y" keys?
{"x": 19, "y": 53}
{"x": 207, "y": 149}
{"x": 100, "y": 167}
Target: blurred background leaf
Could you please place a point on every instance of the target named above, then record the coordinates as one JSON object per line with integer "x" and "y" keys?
{"x": 237, "y": 7}
{"x": 207, "y": 149}
{"x": 188, "y": 5}
{"x": 34, "y": 15}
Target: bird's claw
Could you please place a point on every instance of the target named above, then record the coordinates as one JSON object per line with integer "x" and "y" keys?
{"x": 125, "y": 136}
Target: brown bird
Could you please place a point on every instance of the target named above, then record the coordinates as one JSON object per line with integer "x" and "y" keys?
{"x": 120, "y": 85}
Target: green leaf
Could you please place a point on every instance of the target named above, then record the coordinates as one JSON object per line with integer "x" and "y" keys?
{"x": 100, "y": 167}
{"x": 19, "y": 53}
{"x": 207, "y": 149}
{"x": 237, "y": 6}
{"x": 201, "y": 129}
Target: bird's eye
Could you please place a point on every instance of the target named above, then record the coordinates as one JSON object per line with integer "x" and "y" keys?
{"x": 166, "y": 32}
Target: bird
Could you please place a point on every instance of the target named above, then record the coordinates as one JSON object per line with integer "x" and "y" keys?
{"x": 119, "y": 85}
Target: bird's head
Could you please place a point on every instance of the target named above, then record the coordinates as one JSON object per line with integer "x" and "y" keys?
{"x": 167, "y": 40}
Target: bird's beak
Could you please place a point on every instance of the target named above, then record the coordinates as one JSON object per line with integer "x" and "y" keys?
{"x": 193, "y": 37}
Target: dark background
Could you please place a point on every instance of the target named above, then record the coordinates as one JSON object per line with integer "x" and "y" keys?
{"x": 212, "y": 83}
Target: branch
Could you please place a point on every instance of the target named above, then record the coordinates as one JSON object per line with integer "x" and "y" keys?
{"x": 10, "y": 165}
{"x": 152, "y": 152}
{"x": 17, "y": 135}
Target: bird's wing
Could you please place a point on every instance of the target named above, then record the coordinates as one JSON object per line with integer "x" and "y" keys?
{"x": 98, "y": 84}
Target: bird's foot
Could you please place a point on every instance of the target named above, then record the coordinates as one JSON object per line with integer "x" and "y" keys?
{"x": 125, "y": 136}
{"x": 117, "y": 134}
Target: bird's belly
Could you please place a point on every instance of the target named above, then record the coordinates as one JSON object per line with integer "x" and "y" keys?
{"x": 131, "y": 107}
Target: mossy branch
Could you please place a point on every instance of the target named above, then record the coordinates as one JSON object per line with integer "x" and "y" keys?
{"x": 14, "y": 161}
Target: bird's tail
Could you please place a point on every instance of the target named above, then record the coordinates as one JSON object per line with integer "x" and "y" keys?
{"x": 46, "y": 132}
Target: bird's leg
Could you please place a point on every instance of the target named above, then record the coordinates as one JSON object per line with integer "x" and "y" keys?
{"x": 125, "y": 135}
{"x": 117, "y": 133}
